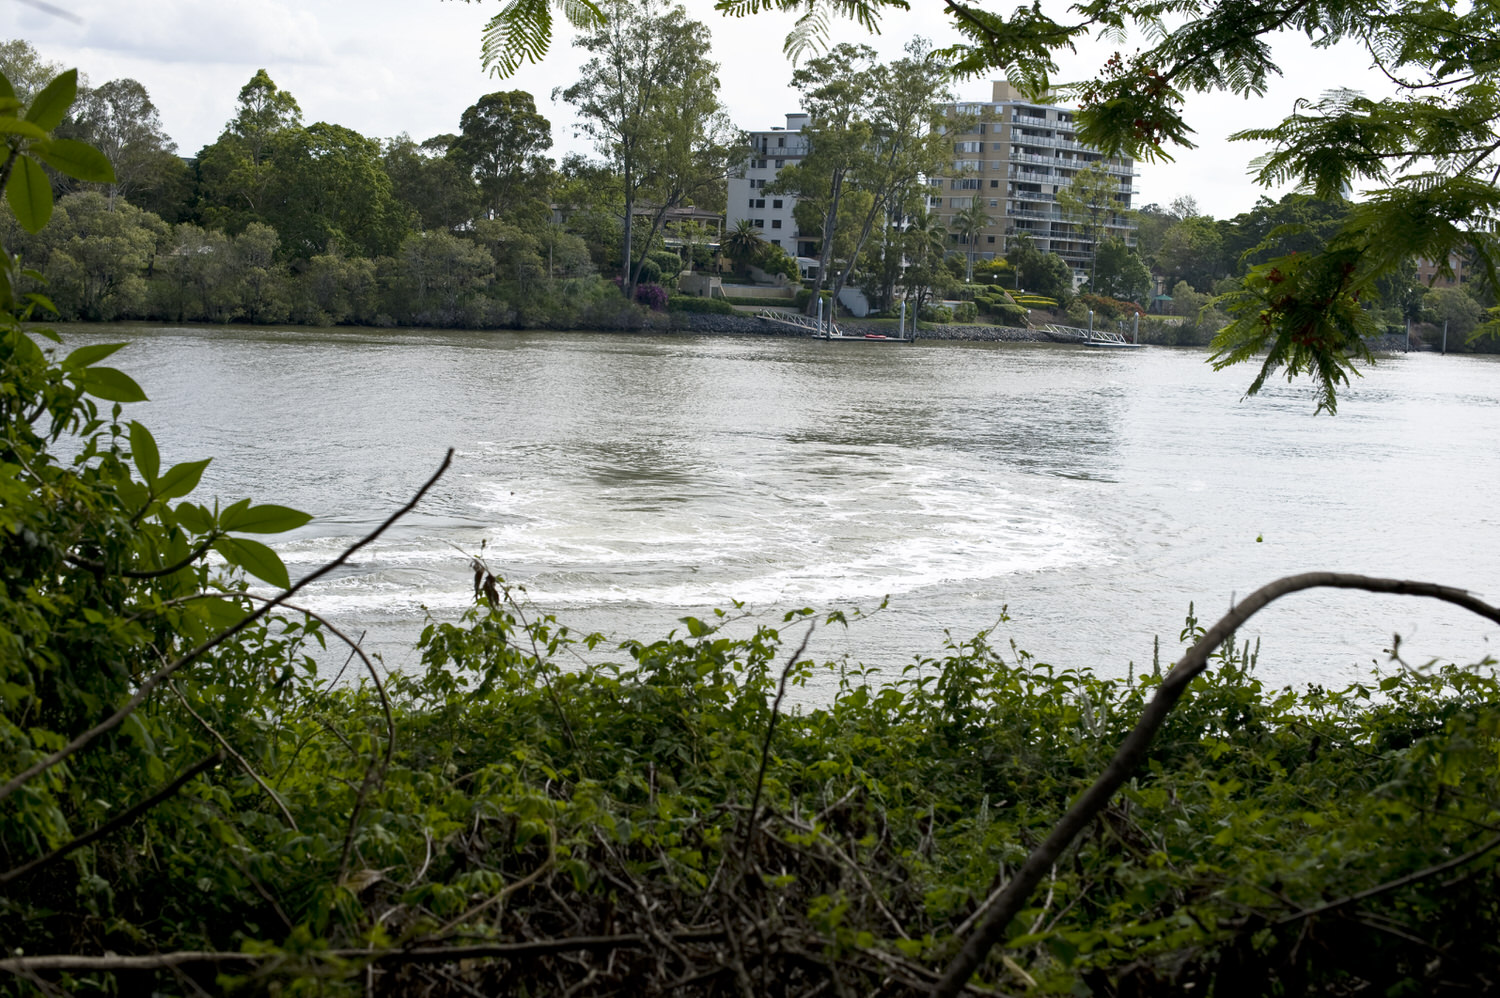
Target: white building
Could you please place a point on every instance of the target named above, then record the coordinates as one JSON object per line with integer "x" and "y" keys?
{"x": 770, "y": 151}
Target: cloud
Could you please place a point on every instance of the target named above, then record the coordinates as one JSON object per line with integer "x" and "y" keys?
{"x": 191, "y": 31}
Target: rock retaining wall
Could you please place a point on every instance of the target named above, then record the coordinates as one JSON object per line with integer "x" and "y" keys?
{"x": 750, "y": 325}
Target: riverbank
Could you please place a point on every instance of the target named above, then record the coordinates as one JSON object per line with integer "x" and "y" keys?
{"x": 752, "y": 325}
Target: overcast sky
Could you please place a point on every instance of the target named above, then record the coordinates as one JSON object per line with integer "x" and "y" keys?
{"x": 383, "y": 67}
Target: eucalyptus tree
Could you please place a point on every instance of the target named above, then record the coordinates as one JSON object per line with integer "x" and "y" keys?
{"x": 120, "y": 120}
{"x": 873, "y": 130}
{"x": 648, "y": 98}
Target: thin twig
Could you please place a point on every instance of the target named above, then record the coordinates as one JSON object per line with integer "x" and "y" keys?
{"x": 286, "y": 815}
{"x": 765, "y": 748}
{"x": 149, "y": 686}
{"x": 1391, "y": 885}
{"x": 416, "y": 955}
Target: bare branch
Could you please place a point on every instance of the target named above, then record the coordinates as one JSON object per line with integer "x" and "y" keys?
{"x": 1133, "y": 749}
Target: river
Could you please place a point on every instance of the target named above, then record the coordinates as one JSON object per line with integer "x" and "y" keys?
{"x": 627, "y": 481}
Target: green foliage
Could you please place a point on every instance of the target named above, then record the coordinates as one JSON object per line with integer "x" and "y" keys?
{"x": 29, "y": 144}
{"x": 1315, "y": 296}
{"x": 510, "y": 788}
{"x": 694, "y": 303}
{"x": 501, "y": 144}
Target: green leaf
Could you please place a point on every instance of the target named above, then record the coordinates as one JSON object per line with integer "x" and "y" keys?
{"x": 91, "y": 354}
{"x": 255, "y": 558}
{"x": 30, "y": 194}
{"x": 44, "y": 302}
{"x": 143, "y": 450}
{"x": 112, "y": 385}
{"x": 7, "y": 92}
{"x": 192, "y": 516}
{"x": 267, "y": 519}
{"x": 11, "y": 125}
{"x": 181, "y": 479}
{"x": 49, "y": 106}
{"x": 222, "y": 613}
{"x": 78, "y": 160}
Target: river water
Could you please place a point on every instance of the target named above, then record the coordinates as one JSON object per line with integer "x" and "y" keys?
{"x": 627, "y": 481}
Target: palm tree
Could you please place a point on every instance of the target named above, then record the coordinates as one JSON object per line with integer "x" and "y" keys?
{"x": 970, "y": 223}
{"x": 744, "y": 243}
{"x": 926, "y": 243}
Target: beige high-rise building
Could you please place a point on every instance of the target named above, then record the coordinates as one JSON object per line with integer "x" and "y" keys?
{"x": 1013, "y": 156}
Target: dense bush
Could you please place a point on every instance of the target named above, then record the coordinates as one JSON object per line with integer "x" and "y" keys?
{"x": 965, "y": 311}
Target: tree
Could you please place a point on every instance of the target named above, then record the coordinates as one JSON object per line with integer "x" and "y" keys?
{"x": 430, "y": 185}
{"x": 969, "y": 223}
{"x": 325, "y": 185}
{"x": 119, "y": 119}
{"x": 904, "y": 141}
{"x": 1038, "y": 273}
{"x": 743, "y": 243}
{"x": 1119, "y": 272}
{"x": 648, "y": 98}
{"x": 236, "y": 170}
{"x": 26, "y": 70}
{"x": 1191, "y": 250}
{"x": 1091, "y": 202}
{"x": 98, "y": 256}
{"x": 500, "y": 145}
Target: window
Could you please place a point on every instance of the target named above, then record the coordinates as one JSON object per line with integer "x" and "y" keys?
{"x": 961, "y": 202}
{"x": 965, "y": 165}
{"x": 994, "y": 203}
{"x": 989, "y": 239}
{"x": 760, "y": 202}
{"x": 981, "y": 130}
{"x": 776, "y": 203}
{"x": 775, "y": 223}
{"x": 780, "y": 163}
{"x": 760, "y": 223}
{"x": 994, "y": 183}
{"x": 934, "y": 202}
{"x": 934, "y": 181}
{"x": 781, "y": 141}
{"x": 968, "y": 147}
{"x": 751, "y": 204}
{"x": 971, "y": 184}
{"x": 775, "y": 242}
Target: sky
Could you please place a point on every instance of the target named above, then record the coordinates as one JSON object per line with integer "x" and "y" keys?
{"x": 384, "y": 67}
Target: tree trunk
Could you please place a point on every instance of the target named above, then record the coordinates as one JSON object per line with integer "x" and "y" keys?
{"x": 825, "y": 257}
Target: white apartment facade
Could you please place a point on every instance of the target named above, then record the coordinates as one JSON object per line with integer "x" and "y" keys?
{"x": 770, "y": 151}
{"x": 1013, "y": 156}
